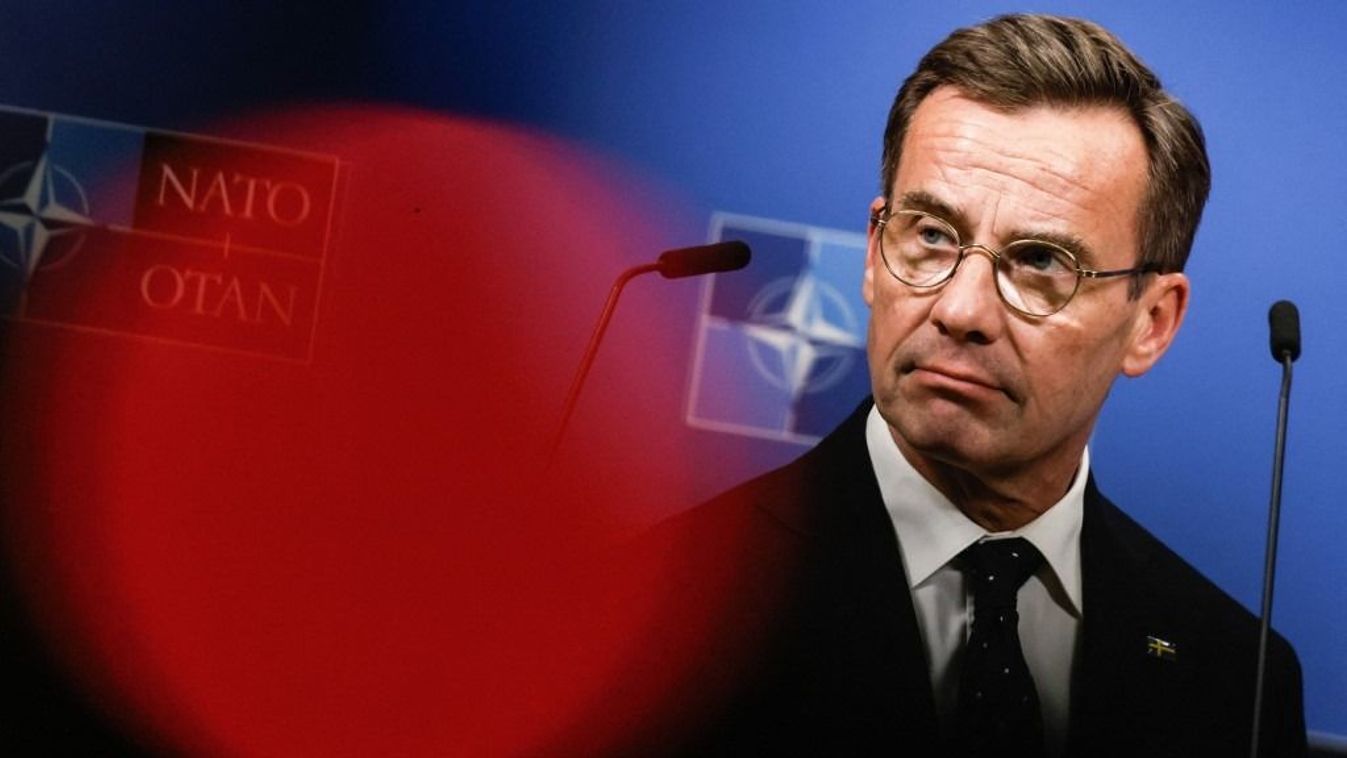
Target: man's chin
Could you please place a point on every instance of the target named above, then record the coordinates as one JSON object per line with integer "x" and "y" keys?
{"x": 953, "y": 439}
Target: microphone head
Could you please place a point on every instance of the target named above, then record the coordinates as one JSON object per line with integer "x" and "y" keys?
{"x": 703, "y": 259}
{"x": 1284, "y": 330}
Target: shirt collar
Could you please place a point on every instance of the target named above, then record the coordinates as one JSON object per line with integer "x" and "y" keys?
{"x": 932, "y": 530}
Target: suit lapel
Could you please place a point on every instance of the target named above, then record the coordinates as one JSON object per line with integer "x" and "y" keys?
{"x": 866, "y": 591}
{"x": 1132, "y": 664}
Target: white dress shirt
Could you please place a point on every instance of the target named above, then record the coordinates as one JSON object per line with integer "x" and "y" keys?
{"x": 932, "y": 532}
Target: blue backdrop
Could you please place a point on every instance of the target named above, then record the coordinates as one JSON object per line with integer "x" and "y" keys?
{"x": 776, "y": 110}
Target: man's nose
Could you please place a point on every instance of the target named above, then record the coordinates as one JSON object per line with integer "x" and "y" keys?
{"x": 968, "y": 307}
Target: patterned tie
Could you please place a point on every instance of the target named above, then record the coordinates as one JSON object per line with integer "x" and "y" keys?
{"x": 998, "y": 706}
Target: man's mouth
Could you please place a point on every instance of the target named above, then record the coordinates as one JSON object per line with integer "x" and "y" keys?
{"x": 961, "y": 380}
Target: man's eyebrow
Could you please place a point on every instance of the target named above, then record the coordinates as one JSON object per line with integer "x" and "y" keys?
{"x": 919, "y": 200}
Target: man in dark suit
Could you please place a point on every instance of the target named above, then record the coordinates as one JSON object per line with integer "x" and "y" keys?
{"x": 1040, "y": 193}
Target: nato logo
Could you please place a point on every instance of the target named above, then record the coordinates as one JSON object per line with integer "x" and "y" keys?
{"x": 780, "y": 346}
{"x": 40, "y": 203}
{"x": 157, "y": 235}
{"x": 60, "y": 181}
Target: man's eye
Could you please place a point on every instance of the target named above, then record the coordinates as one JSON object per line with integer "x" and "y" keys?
{"x": 1039, "y": 259}
{"x": 933, "y": 236}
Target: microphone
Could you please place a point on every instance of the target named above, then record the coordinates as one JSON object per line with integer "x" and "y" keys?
{"x": 1284, "y": 326}
{"x": 671, "y": 264}
{"x": 703, "y": 259}
{"x": 1284, "y": 338}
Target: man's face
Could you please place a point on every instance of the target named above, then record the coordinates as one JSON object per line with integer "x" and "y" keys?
{"x": 959, "y": 377}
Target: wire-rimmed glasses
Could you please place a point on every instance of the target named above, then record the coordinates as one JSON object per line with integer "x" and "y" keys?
{"x": 1034, "y": 277}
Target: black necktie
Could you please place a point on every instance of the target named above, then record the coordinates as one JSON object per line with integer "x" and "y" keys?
{"x": 998, "y": 710}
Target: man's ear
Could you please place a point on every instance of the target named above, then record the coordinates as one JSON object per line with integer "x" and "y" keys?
{"x": 871, "y": 253}
{"x": 1163, "y": 305}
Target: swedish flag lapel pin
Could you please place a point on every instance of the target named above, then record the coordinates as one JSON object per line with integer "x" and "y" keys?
{"x": 1162, "y": 649}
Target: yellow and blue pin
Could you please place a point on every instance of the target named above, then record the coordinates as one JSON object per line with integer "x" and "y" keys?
{"x": 1162, "y": 649}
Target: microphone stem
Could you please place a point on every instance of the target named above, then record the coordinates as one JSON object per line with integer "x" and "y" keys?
{"x": 592, "y": 350}
{"x": 1270, "y": 553}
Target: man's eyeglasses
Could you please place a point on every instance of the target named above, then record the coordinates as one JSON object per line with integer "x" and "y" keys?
{"x": 1033, "y": 277}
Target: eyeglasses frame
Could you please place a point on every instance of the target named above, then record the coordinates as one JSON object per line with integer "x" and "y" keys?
{"x": 882, "y": 217}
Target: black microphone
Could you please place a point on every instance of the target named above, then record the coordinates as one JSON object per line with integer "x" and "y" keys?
{"x": 703, "y": 259}
{"x": 672, "y": 264}
{"x": 1284, "y": 337}
{"x": 1284, "y": 326}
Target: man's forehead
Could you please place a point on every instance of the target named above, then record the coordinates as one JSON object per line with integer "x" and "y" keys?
{"x": 1069, "y": 169}
{"x": 1045, "y": 128}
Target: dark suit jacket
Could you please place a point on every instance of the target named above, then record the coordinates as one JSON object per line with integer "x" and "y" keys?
{"x": 789, "y": 629}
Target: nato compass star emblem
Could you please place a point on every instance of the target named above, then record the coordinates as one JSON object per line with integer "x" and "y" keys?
{"x": 780, "y": 346}
{"x": 802, "y": 336}
{"x": 41, "y": 205}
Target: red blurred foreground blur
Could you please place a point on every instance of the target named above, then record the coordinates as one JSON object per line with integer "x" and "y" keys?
{"x": 273, "y": 458}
